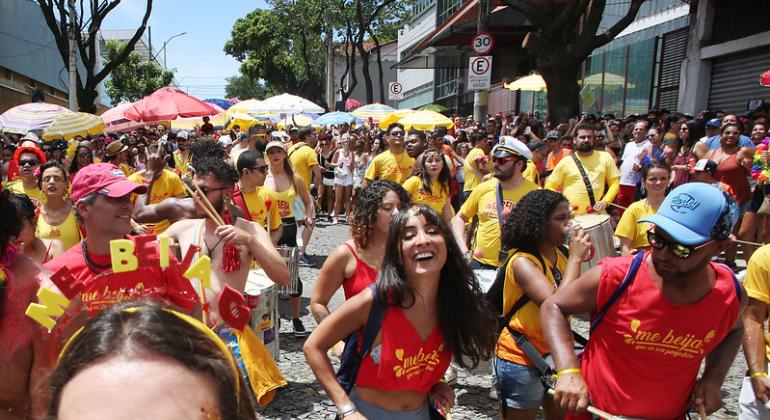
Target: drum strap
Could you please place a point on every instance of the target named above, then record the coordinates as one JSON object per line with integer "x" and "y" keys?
{"x": 241, "y": 202}
{"x": 502, "y": 255}
{"x": 586, "y": 181}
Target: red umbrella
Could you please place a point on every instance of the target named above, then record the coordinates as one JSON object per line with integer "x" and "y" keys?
{"x": 168, "y": 104}
{"x": 352, "y": 104}
{"x": 764, "y": 79}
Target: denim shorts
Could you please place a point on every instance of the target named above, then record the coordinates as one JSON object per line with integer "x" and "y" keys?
{"x": 518, "y": 385}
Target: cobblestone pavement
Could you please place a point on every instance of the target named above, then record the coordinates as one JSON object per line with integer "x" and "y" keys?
{"x": 303, "y": 398}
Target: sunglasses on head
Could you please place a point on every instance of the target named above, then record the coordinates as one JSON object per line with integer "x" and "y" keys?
{"x": 30, "y": 162}
{"x": 657, "y": 241}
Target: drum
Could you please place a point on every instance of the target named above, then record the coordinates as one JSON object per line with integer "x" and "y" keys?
{"x": 262, "y": 297}
{"x": 290, "y": 256}
{"x": 599, "y": 228}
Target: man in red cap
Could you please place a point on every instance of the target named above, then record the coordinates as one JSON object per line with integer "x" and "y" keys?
{"x": 26, "y": 160}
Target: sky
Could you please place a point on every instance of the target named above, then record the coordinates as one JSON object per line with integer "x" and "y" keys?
{"x": 198, "y": 57}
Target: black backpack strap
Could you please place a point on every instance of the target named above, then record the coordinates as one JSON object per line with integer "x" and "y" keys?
{"x": 630, "y": 274}
{"x": 586, "y": 181}
{"x": 373, "y": 323}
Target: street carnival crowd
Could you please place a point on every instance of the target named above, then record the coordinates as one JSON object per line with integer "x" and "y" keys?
{"x": 127, "y": 259}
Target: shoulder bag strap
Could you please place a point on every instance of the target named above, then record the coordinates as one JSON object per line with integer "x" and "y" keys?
{"x": 373, "y": 322}
{"x": 241, "y": 202}
{"x": 586, "y": 181}
{"x": 630, "y": 274}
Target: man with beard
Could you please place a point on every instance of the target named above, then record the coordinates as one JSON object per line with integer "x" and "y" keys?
{"x": 477, "y": 164}
{"x": 510, "y": 158}
{"x": 232, "y": 248}
{"x": 656, "y": 316}
{"x": 584, "y": 174}
{"x": 116, "y": 153}
{"x": 415, "y": 145}
{"x": 182, "y": 155}
{"x": 393, "y": 164}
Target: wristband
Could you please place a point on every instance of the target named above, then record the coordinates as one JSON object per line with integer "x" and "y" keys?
{"x": 569, "y": 371}
{"x": 346, "y": 410}
{"x": 756, "y": 374}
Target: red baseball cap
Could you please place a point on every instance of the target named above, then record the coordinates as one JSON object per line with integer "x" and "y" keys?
{"x": 105, "y": 179}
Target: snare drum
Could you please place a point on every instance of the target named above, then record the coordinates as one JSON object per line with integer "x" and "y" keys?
{"x": 599, "y": 228}
{"x": 290, "y": 256}
{"x": 262, "y": 295}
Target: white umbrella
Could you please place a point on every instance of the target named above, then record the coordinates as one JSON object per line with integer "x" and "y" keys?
{"x": 290, "y": 104}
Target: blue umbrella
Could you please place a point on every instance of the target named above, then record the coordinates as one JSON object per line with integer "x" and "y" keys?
{"x": 224, "y": 103}
{"x": 337, "y": 117}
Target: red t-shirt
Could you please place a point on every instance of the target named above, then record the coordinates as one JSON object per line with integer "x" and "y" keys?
{"x": 406, "y": 363}
{"x": 643, "y": 358}
{"x": 106, "y": 289}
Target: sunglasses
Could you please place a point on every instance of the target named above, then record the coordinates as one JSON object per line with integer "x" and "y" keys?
{"x": 206, "y": 190}
{"x": 503, "y": 160}
{"x": 396, "y": 133}
{"x": 30, "y": 162}
{"x": 678, "y": 250}
{"x": 262, "y": 168}
{"x": 84, "y": 155}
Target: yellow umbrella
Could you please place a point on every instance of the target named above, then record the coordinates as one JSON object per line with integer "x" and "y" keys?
{"x": 250, "y": 106}
{"x": 393, "y": 117}
{"x": 425, "y": 120}
{"x": 375, "y": 111}
{"x": 533, "y": 82}
{"x": 297, "y": 120}
{"x": 73, "y": 124}
{"x": 610, "y": 79}
{"x": 245, "y": 121}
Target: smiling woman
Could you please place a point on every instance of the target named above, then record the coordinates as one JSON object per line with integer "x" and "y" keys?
{"x": 431, "y": 312}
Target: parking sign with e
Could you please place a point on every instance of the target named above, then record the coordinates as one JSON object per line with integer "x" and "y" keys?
{"x": 479, "y": 72}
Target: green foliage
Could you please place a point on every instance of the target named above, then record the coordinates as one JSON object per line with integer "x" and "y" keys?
{"x": 134, "y": 78}
{"x": 245, "y": 87}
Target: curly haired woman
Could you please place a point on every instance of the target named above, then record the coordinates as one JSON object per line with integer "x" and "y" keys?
{"x": 534, "y": 232}
{"x": 354, "y": 264}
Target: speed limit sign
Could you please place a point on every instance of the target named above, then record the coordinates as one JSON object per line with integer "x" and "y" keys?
{"x": 482, "y": 43}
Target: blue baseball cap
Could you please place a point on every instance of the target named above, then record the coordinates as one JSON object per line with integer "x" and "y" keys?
{"x": 695, "y": 212}
{"x": 714, "y": 122}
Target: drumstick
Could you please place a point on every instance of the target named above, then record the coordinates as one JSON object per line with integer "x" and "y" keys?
{"x": 206, "y": 209}
{"x": 593, "y": 410}
{"x": 208, "y": 204}
{"x": 702, "y": 412}
{"x": 748, "y": 242}
{"x": 619, "y": 206}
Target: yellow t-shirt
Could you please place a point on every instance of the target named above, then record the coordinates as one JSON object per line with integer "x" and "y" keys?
{"x": 303, "y": 158}
{"x": 436, "y": 199}
{"x": 471, "y": 172}
{"x": 67, "y": 232}
{"x": 255, "y": 202}
{"x": 127, "y": 170}
{"x": 167, "y": 185}
{"x": 527, "y": 319}
{"x": 17, "y": 187}
{"x": 284, "y": 201}
{"x": 629, "y": 228}
{"x": 601, "y": 170}
{"x": 181, "y": 164}
{"x": 391, "y": 167}
{"x": 531, "y": 173}
{"x": 757, "y": 281}
{"x": 483, "y": 202}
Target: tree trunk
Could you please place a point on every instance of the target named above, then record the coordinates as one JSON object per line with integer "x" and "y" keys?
{"x": 87, "y": 99}
{"x": 379, "y": 67}
{"x": 563, "y": 90}
{"x": 365, "y": 73}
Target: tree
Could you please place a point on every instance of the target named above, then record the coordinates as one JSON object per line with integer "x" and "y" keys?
{"x": 565, "y": 33}
{"x": 282, "y": 46}
{"x": 135, "y": 78}
{"x": 245, "y": 87}
{"x": 86, "y": 26}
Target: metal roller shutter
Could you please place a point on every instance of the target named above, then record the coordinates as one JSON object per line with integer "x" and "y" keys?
{"x": 735, "y": 80}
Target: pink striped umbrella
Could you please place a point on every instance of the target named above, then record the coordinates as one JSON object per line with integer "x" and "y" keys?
{"x": 167, "y": 104}
{"x": 115, "y": 115}
{"x": 33, "y": 116}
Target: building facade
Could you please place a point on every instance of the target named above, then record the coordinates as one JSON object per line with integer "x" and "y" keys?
{"x": 388, "y": 54}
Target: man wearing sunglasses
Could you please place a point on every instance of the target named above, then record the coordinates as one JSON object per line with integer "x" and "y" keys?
{"x": 252, "y": 198}
{"x": 676, "y": 309}
{"x": 492, "y": 201}
{"x": 394, "y": 164}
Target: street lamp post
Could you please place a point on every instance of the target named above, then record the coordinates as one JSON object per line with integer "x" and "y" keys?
{"x": 163, "y": 49}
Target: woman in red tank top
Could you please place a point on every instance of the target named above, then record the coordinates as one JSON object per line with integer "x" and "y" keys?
{"x": 433, "y": 313}
{"x": 353, "y": 265}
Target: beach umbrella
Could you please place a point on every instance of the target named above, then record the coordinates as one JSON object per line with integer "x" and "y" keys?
{"x": 336, "y": 118}
{"x": 222, "y": 103}
{"x": 374, "y": 111}
{"x": 394, "y": 117}
{"x": 34, "y": 116}
{"x": 609, "y": 79}
{"x": 764, "y": 79}
{"x": 73, "y": 124}
{"x": 352, "y": 104}
{"x": 532, "y": 83}
{"x": 290, "y": 104}
{"x": 425, "y": 120}
{"x": 115, "y": 115}
{"x": 167, "y": 104}
{"x": 249, "y": 106}
{"x": 434, "y": 108}
{"x": 297, "y": 120}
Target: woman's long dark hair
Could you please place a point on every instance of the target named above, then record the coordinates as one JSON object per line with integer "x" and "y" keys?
{"x": 527, "y": 224}
{"x": 465, "y": 320}
{"x": 117, "y": 332}
{"x": 75, "y": 160}
{"x": 444, "y": 177}
{"x": 696, "y": 130}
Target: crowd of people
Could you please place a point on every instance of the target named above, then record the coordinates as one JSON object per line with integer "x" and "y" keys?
{"x": 468, "y": 245}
